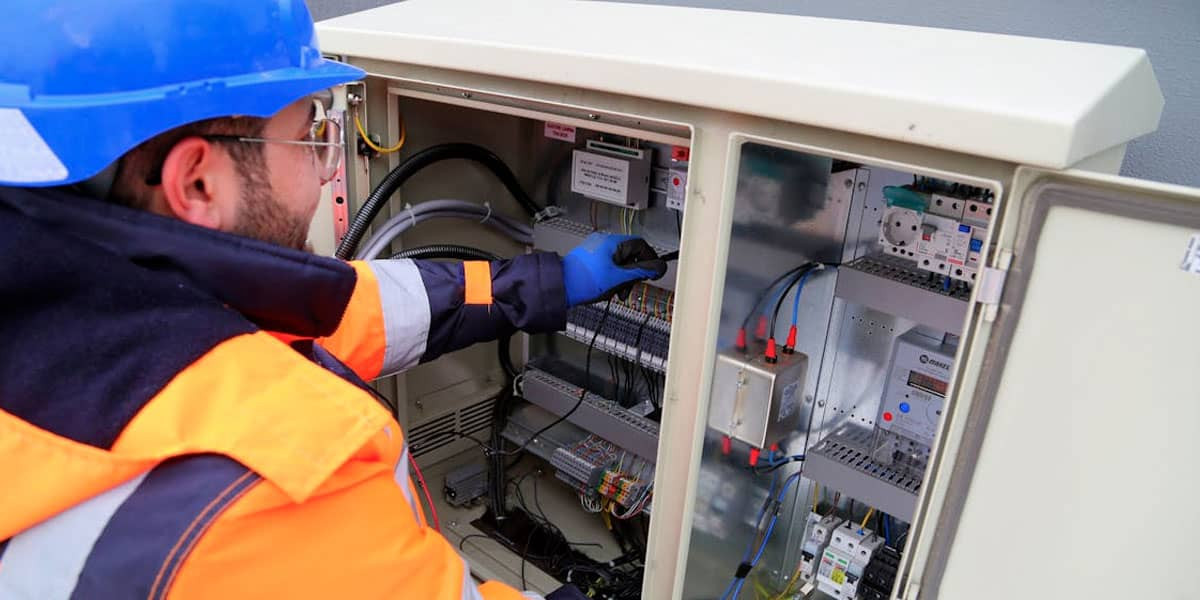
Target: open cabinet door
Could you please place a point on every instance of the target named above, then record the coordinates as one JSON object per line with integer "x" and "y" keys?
{"x": 1078, "y": 472}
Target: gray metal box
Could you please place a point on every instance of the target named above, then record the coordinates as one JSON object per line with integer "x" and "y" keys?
{"x": 755, "y": 401}
{"x": 612, "y": 173}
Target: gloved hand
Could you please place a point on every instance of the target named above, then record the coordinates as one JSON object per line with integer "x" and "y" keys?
{"x": 604, "y": 263}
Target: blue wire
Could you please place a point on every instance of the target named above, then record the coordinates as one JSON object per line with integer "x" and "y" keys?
{"x": 738, "y": 590}
{"x": 887, "y": 529}
{"x": 736, "y": 584}
{"x": 799, "y": 288}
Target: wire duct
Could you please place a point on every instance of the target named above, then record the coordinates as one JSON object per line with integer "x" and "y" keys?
{"x": 414, "y": 164}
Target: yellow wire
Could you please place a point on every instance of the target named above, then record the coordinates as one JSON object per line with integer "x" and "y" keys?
{"x": 760, "y": 591}
{"x": 362, "y": 134}
{"x": 866, "y": 518}
{"x": 791, "y": 582}
{"x": 816, "y": 492}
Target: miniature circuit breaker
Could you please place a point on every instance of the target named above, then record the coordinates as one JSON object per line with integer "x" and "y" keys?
{"x": 820, "y": 529}
{"x": 842, "y": 563}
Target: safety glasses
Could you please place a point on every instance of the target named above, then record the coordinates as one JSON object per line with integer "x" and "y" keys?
{"x": 324, "y": 137}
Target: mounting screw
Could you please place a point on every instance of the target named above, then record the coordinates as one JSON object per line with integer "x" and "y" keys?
{"x": 453, "y": 523}
{"x": 594, "y": 116}
{"x": 849, "y": 183}
{"x": 862, "y": 187}
{"x": 821, "y": 403}
{"x": 353, "y": 99}
{"x": 466, "y": 94}
{"x": 808, "y": 399}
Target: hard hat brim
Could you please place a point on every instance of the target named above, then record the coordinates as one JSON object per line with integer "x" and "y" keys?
{"x": 52, "y": 131}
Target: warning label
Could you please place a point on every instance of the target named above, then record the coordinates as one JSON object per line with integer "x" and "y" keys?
{"x": 558, "y": 131}
{"x": 600, "y": 177}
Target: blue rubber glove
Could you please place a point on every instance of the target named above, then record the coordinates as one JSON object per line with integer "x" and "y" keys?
{"x": 604, "y": 263}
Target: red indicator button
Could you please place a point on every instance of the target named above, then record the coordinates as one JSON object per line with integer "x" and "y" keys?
{"x": 887, "y": 416}
{"x": 675, "y": 182}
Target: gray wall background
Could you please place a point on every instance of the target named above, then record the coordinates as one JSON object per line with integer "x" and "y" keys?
{"x": 1169, "y": 30}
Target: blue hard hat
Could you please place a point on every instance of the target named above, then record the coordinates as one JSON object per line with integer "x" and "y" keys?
{"x": 82, "y": 82}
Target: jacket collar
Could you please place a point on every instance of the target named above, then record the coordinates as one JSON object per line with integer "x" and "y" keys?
{"x": 276, "y": 288}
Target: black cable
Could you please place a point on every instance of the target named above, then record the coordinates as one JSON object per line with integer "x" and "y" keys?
{"x": 447, "y": 251}
{"x": 413, "y": 165}
{"x": 669, "y": 256}
{"x": 582, "y": 392}
{"x": 804, "y": 270}
{"x": 763, "y": 295}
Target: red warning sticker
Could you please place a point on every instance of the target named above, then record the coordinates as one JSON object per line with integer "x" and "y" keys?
{"x": 558, "y": 131}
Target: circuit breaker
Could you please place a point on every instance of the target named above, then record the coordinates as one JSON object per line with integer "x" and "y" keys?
{"x": 842, "y": 563}
{"x": 820, "y": 529}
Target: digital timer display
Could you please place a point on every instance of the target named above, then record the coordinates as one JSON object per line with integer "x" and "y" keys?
{"x": 932, "y": 385}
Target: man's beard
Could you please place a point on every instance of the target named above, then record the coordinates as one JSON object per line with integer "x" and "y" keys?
{"x": 262, "y": 217}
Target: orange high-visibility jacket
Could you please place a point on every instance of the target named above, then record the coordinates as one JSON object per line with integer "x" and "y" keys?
{"x": 156, "y": 441}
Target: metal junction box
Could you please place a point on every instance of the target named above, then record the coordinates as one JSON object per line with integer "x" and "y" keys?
{"x": 755, "y": 401}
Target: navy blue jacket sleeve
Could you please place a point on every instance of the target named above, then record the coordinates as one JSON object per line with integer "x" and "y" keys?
{"x": 527, "y": 295}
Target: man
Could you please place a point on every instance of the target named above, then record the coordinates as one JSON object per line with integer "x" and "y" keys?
{"x": 182, "y": 412}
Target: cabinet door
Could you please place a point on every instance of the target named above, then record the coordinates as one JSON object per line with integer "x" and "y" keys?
{"x": 1077, "y": 471}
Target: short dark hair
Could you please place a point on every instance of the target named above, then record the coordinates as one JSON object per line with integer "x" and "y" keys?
{"x": 141, "y": 168}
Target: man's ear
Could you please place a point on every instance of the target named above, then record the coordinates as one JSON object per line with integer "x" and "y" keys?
{"x": 195, "y": 184}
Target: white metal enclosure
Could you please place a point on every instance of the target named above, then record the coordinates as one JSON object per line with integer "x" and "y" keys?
{"x": 1042, "y": 417}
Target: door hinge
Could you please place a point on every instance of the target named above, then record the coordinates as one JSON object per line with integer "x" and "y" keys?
{"x": 991, "y": 285}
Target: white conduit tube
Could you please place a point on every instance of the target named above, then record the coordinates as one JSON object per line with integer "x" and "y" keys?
{"x": 436, "y": 209}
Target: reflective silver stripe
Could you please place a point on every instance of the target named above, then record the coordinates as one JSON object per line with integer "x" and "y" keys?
{"x": 405, "y": 313}
{"x": 400, "y": 474}
{"x": 44, "y": 561}
{"x": 469, "y": 590}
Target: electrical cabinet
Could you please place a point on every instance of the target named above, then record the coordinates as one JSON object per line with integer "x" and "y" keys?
{"x": 916, "y": 327}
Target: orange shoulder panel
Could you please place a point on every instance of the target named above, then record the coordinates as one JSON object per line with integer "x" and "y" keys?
{"x": 55, "y": 473}
{"x": 254, "y": 399}
{"x": 354, "y": 538}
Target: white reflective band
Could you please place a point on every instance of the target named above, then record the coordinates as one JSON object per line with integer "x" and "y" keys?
{"x": 45, "y": 561}
{"x": 24, "y": 155}
{"x": 400, "y": 475}
{"x": 469, "y": 590}
{"x": 405, "y": 313}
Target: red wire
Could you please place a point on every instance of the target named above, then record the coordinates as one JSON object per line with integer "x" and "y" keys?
{"x": 437, "y": 526}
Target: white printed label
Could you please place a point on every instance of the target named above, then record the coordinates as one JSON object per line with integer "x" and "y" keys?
{"x": 558, "y": 131}
{"x": 1191, "y": 258}
{"x": 789, "y": 401}
{"x": 24, "y": 155}
{"x": 600, "y": 177}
